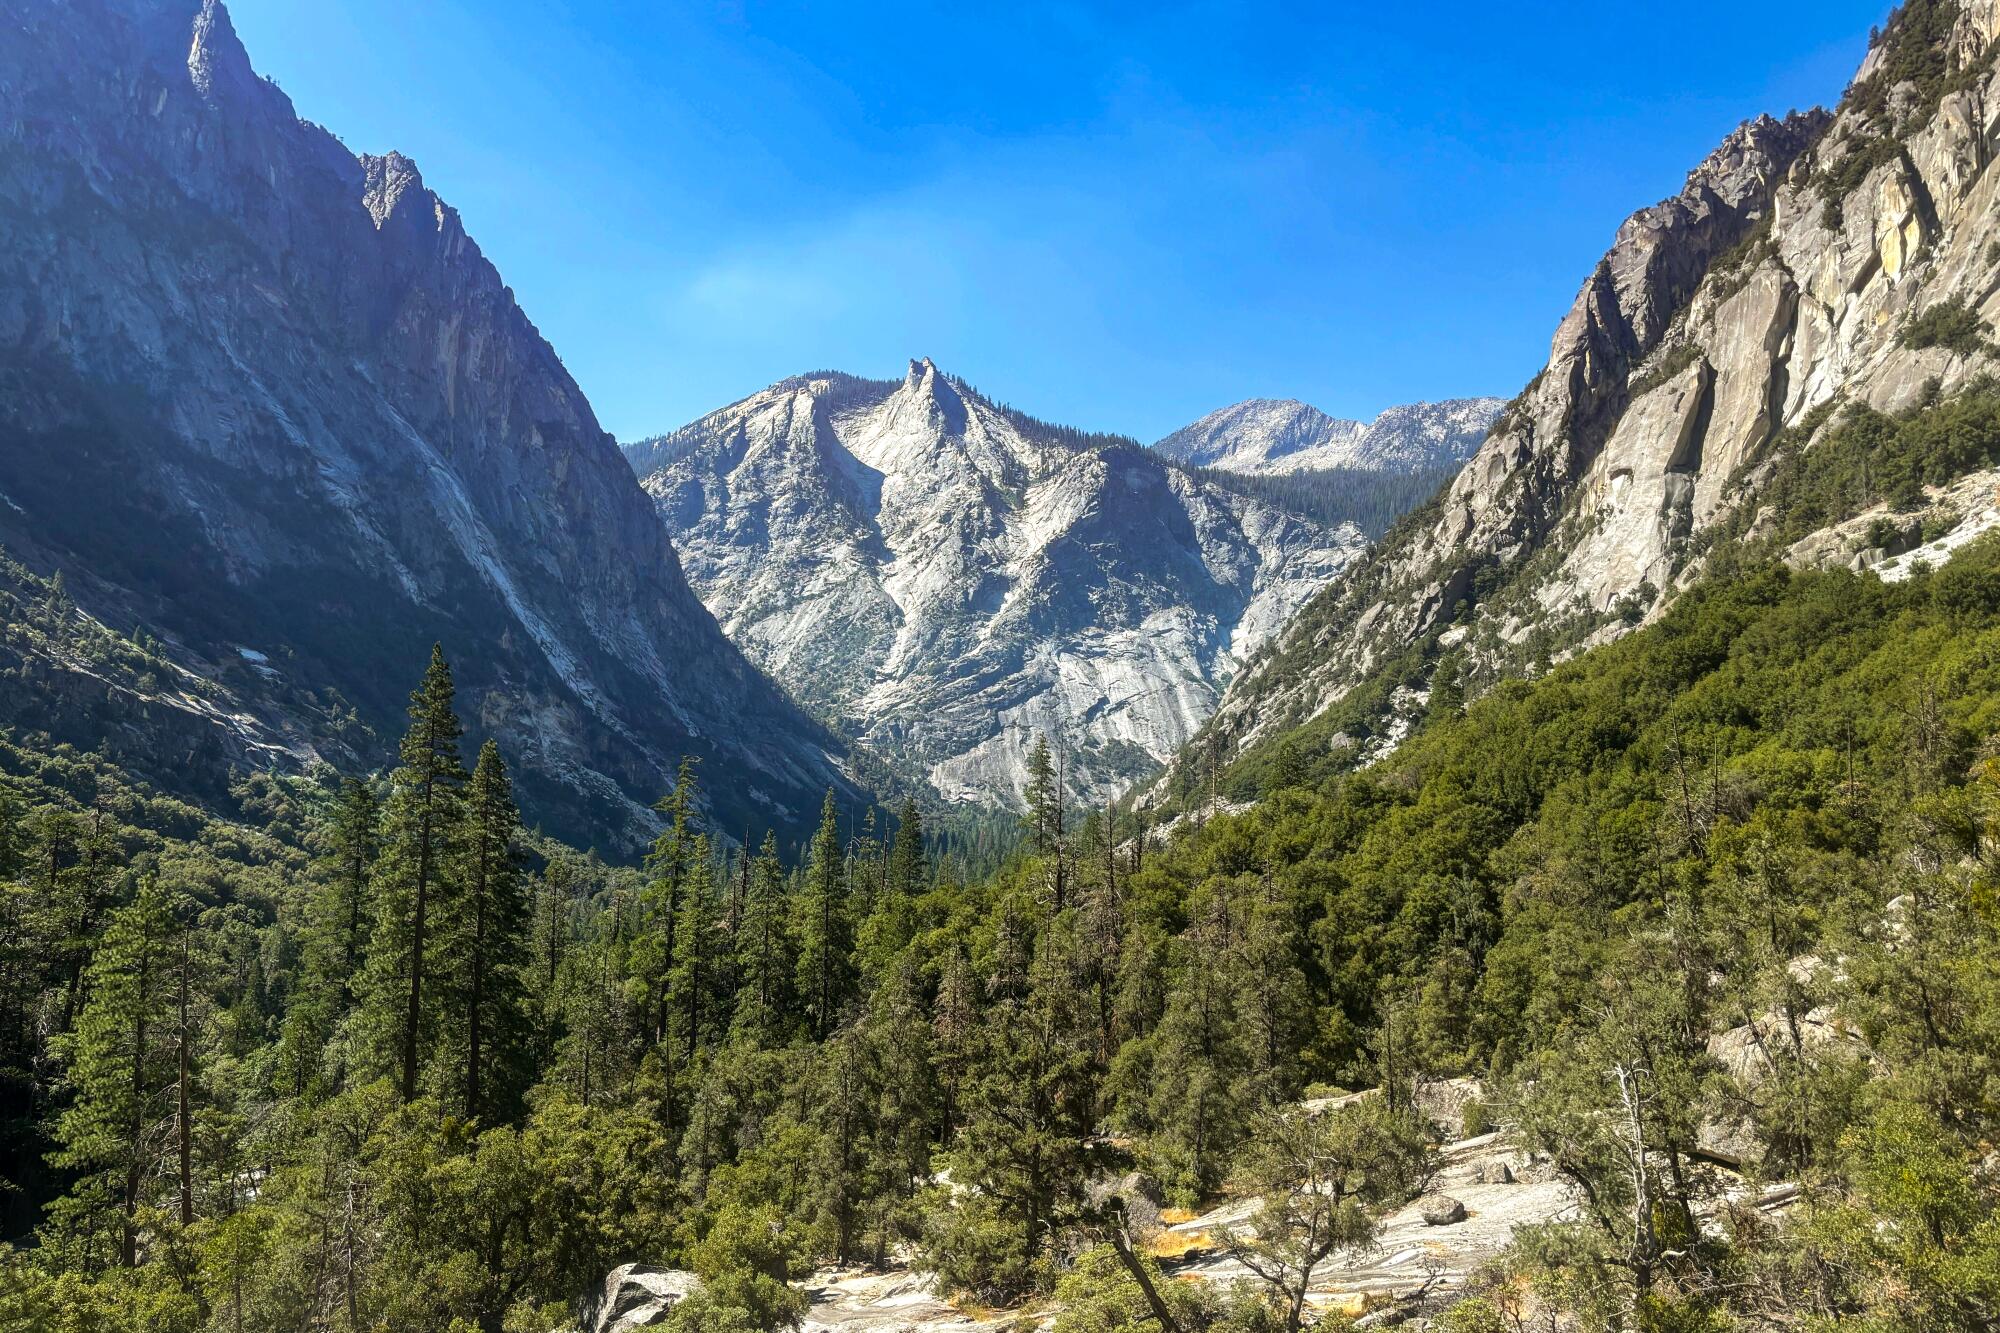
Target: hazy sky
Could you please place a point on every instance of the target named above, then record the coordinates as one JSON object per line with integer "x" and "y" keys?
{"x": 1115, "y": 216}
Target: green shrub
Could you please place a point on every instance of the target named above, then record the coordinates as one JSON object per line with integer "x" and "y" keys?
{"x": 1951, "y": 324}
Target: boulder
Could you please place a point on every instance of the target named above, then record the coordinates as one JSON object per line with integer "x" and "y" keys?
{"x": 1496, "y": 1172}
{"x": 1729, "y": 1137}
{"x": 636, "y": 1296}
{"x": 1443, "y": 1102}
{"x": 1441, "y": 1210}
{"x": 1139, "y": 1194}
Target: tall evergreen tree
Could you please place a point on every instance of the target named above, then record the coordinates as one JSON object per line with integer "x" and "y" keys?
{"x": 667, "y": 869}
{"x": 349, "y": 841}
{"x": 1046, "y": 818}
{"x": 766, "y": 961}
{"x": 335, "y": 936}
{"x": 1030, "y": 1104}
{"x": 486, "y": 946}
{"x": 554, "y": 927}
{"x": 421, "y": 825}
{"x": 701, "y": 973}
{"x": 120, "y": 1057}
{"x": 826, "y": 932}
{"x": 889, "y": 925}
{"x": 1198, "y": 1096}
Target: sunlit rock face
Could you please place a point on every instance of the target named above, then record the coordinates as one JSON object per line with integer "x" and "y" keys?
{"x": 1776, "y": 285}
{"x": 948, "y": 579}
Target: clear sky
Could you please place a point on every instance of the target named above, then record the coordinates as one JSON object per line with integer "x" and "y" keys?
{"x": 1115, "y": 216}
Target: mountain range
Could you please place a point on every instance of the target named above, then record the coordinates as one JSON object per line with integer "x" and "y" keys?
{"x": 267, "y": 407}
{"x": 950, "y": 580}
{"x": 1274, "y": 435}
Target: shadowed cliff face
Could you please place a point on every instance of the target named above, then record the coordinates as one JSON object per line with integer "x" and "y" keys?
{"x": 263, "y": 394}
{"x": 951, "y": 579}
{"x": 1776, "y": 286}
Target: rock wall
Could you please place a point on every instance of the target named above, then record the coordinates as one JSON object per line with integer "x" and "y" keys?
{"x": 1777, "y": 284}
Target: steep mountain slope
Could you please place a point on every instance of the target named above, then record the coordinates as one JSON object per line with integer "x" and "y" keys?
{"x": 949, "y": 578}
{"x": 1272, "y": 435}
{"x": 269, "y": 401}
{"x": 1808, "y": 266}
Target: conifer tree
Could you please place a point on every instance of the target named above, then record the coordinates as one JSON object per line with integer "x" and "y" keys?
{"x": 765, "y": 957}
{"x": 120, "y": 1057}
{"x": 1272, "y": 1000}
{"x": 667, "y": 869}
{"x": 889, "y": 924}
{"x": 1047, "y": 816}
{"x": 907, "y": 1105}
{"x": 555, "y": 902}
{"x": 700, "y": 973}
{"x": 1198, "y": 1095}
{"x": 335, "y": 936}
{"x": 486, "y": 945}
{"x": 421, "y": 825}
{"x": 1030, "y": 1104}
{"x": 826, "y": 932}
{"x": 349, "y": 844}
{"x": 909, "y": 871}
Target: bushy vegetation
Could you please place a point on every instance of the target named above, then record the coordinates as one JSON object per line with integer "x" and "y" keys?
{"x": 385, "y": 1062}
{"x": 1951, "y": 324}
{"x": 1665, "y": 367}
{"x": 1821, "y": 475}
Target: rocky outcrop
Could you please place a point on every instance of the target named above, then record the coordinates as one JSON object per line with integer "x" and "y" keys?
{"x": 1777, "y": 284}
{"x": 949, "y": 579}
{"x": 636, "y": 1296}
{"x": 1269, "y": 435}
{"x": 259, "y": 393}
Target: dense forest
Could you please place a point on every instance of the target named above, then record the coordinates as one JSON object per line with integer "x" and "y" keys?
{"x": 1369, "y": 499}
{"x": 363, "y": 1054}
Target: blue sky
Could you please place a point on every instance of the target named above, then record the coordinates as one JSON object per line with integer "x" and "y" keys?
{"x": 1116, "y": 216}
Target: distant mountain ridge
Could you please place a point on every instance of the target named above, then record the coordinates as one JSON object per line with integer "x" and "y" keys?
{"x": 268, "y": 401}
{"x": 950, "y": 578}
{"x": 1817, "y": 285}
{"x": 1277, "y": 435}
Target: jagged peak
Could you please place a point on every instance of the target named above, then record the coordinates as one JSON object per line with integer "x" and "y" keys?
{"x": 1752, "y": 155}
{"x": 388, "y": 178}
{"x": 217, "y": 63}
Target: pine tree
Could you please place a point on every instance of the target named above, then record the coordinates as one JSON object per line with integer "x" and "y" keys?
{"x": 421, "y": 825}
{"x": 907, "y": 1106}
{"x": 909, "y": 872}
{"x": 121, "y": 1055}
{"x": 1272, "y": 1000}
{"x": 335, "y": 937}
{"x": 667, "y": 869}
{"x": 766, "y": 960}
{"x": 554, "y": 928}
{"x": 1030, "y": 1103}
{"x": 1046, "y": 818}
{"x": 700, "y": 973}
{"x": 845, "y": 1097}
{"x": 889, "y": 926}
{"x": 1198, "y": 1098}
{"x": 485, "y": 945}
{"x": 348, "y": 848}
{"x": 826, "y": 934}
